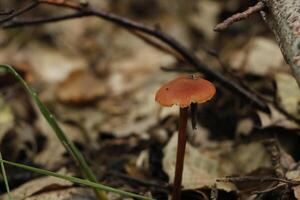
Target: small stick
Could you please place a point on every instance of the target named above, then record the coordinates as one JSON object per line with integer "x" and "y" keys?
{"x": 64, "y": 3}
{"x": 19, "y": 12}
{"x": 270, "y": 189}
{"x": 259, "y": 179}
{"x": 6, "y": 12}
{"x": 13, "y": 24}
{"x": 239, "y": 16}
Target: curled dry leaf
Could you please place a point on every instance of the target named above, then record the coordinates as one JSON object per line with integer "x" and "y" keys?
{"x": 81, "y": 87}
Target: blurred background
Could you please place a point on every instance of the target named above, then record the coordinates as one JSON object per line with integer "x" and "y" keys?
{"x": 99, "y": 81}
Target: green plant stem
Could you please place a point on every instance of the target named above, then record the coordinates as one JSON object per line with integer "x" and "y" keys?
{"x": 76, "y": 180}
{"x": 68, "y": 144}
{"x": 5, "y": 178}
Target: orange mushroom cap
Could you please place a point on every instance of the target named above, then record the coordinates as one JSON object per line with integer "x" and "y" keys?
{"x": 185, "y": 90}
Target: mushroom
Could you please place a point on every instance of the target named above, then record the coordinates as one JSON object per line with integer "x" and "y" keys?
{"x": 183, "y": 91}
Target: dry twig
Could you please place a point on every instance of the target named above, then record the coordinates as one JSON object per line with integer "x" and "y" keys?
{"x": 239, "y": 16}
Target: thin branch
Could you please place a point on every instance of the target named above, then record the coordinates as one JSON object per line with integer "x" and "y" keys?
{"x": 271, "y": 189}
{"x": 14, "y": 24}
{"x": 189, "y": 56}
{"x": 6, "y": 12}
{"x": 177, "y": 69}
{"x": 257, "y": 179}
{"x": 64, "y": 3}
{"x": 239, "y": 16}
{"x": 20, "y": 12}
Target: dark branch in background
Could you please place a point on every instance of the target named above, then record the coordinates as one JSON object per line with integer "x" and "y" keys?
{"x": 262, "y": 179}
{"x": 19, "y": 12}
{"x": 239, "y": 16}
{"x": 6, "y": 12}
{"x": 177, "y": 69}
{"x": 190, "y": 57}
{"x": 14, "y": 24}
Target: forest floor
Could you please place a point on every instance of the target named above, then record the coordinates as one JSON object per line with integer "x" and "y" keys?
{"x": 99, "y": 81}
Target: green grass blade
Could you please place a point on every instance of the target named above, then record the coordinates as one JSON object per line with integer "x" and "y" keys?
{"x": 76, "y": 180}
{"x": 69, "y": 145}
{"x": 5, "y": 178}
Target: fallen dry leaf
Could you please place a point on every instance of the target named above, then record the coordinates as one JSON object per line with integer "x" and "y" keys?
{"x": 81, "y": 87}
{"x": 38, "y": 185}
{"x": 50, "y": 65}
{"x": 201, "y": 168}
{"x": 243, "y": 160}
{"x": 259, "y": 56}
{"x": 65, "y": 194}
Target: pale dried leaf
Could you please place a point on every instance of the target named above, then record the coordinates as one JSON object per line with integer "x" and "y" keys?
{"x": 288, "y": 93}
{"x": 294, "y": 175}
{"x": 50, "y": 65}
{"x": 260, "y": 56}
{"x": 244, "y": 161}
{"x": 201, "y": 168}
{"x": 203, "y": 165}
{"x": 65, "y": 194}
{"x": 297, "y": 192}
{"x": 37, "y": 185}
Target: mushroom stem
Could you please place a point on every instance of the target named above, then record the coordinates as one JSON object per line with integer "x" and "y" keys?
{"x": 183, "y": 115}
